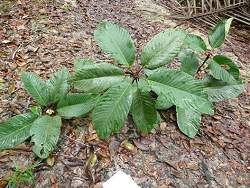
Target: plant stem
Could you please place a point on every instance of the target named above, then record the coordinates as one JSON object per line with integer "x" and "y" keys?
{"x": 203, "y": 63}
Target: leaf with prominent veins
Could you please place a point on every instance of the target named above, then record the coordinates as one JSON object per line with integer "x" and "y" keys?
{"x": 162, "y": 48}
{"x": 112, "y": 109}
{"x": 97, "y": 77}
{"x": 16, "y": 130}
{"x": 181, "y": 89}
{"x": 45, "y": 132}
{"x": 36, "y": 87}
{"x": 115, "y": 41}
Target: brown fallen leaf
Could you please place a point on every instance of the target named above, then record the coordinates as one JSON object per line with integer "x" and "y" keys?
{"x": 54, "y": 183}
{"x": 89, "y": 166}
{"x": 127, "y": 145}
{"x": 12, "y": 88}
{"x": 3, "y": 183}
{"x": 50, "y": 160}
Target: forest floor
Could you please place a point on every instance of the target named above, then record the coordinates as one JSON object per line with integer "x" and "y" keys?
{"x": 44, "y": 35}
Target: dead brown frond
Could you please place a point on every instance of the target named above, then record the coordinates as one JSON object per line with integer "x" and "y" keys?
{"x": 208, "y": 11}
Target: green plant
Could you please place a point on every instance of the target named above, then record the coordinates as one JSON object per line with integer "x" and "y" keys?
{"x": 142, "y": 87}
{"x": 43, "y": 123}
{"x": 20, "y": 176}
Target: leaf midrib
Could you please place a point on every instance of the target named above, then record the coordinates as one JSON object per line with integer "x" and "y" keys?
{"x": 101, "y": 77}
{"x": 176, "y": 89}
{"x": 14, "y": 132}
{"x": 116, "y": 103}
{"x": 38, "y": 93}
{"x": 117, "y": 47}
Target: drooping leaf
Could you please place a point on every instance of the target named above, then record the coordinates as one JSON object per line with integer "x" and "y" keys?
{"x": 97, "y": 77}
{"x": 228, "y": 65}
{"x": 195, "y": 43}
{"x": 218, "y": 90}
{"x": 143, "y": 111}
{"x": 36, "y": 87}
{"x": 45, "y": 132}
{"x": 116, "y": 41}
{"x": 163, "y": 103}
{"x": 181, "y": 89}
{"x": 79, "y": 63}
{"x": 188, "y": 121}
{"x": 162, "y": 48}
{"x": 15, "y": 130}
{"x": 76, "y": 104}
{"x": 218, "y": 34}
{"x": 219, "y": 72}
{"x": 189, "y": 61}
{"x": 112, "y": 109}
{"x": 58, "y": 85}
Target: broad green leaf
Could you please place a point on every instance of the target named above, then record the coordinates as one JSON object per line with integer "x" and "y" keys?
{"x": 112, "y": 110}
{"x": 97, "y": 77}
{"x": 162, "y": 48}
{"x": 218, "y": 90}
{"x": 76, "y": 104}
{"x": 189, "y": 61}
{"x": 228, "y": 65}
{"x": 45, "y": 132}
{"x": 116, "y": 41}
{"x": 217, "y": 36}
{"x": 195, "y": 43}
{"x": 79, "y": 63}
{"x": 58, "y": 85}
{"x": 36, "y": 87}
{"x": 181, "y": 89}
{"x": 163, "y": 103}
{"x": 219, "y": 72}
{"x": 143, "y": 111}
{"x": 188, "y": 121}
{"x": 15, "y": 130}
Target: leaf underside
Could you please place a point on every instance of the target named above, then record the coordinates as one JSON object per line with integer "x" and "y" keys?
{"x": 45, "y": 132}
{"x": 112, "y": 109}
